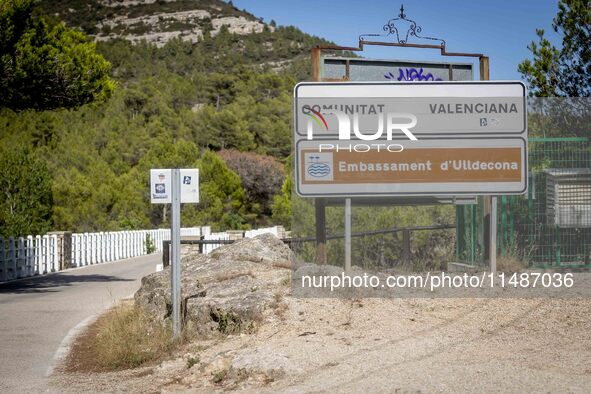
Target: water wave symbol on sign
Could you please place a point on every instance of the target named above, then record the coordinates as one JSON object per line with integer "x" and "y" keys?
{"x": 318, "y": 169}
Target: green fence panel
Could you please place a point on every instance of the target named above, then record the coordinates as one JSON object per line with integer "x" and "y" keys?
{"x": 551, "y": 225}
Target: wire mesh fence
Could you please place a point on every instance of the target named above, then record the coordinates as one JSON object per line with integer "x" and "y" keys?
{"x": 401, "y": 238}
{"x": 402, "y": 249}
{"x": 551, "y": 225}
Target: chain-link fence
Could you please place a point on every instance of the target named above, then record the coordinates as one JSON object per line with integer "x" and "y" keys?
{"x": 551, "y": 225}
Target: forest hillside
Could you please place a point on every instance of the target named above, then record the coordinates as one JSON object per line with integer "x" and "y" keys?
{"x": 198, "y": 84}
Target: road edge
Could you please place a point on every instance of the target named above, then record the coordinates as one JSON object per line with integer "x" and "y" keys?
{"x": 66, "y": 344}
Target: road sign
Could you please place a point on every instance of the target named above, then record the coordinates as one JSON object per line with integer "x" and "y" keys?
{"x": 417, "y": 139}
{"x": 160, "y": 186}
{"x": 424, "y": 167}
{"x": 443, "y": 108}
{"x": 175, "y": 186}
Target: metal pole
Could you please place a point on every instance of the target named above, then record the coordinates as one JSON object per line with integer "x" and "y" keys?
{"x": 320, "y": 211}
{"x": 347, "y": 234}
{"x": 493, "y": 234}
{"x": 316, "y": 59}
{"x": 175, "y": 246}
{"x": 490, "y": 206}
{"x": 406, "y": 246}
{"x": 319, "y": 203}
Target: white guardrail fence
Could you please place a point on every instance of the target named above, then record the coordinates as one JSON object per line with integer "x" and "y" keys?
{"x": 38, "y": 255}
{"x": 278, "y": 231}
{"x": 214, "y": 237}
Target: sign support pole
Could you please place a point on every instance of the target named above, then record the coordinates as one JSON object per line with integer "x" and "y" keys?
{"x": 166, "y": 188}
{"x": 493, "y": 234}
{"x": 347, "y": 235}
{"x": 175, "y": 246}
{"x": 320, "y": 209}
{"x": 319, "y": 203}
{"x": 490, "y": 205}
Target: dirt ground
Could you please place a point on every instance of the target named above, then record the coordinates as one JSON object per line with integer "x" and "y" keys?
{"x": 379, "y": 345}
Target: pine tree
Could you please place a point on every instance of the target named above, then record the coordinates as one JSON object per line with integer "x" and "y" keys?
{"x": 25, "y": 193}
{"x": 44, "y": 64}
{"x": 565, "y": 71}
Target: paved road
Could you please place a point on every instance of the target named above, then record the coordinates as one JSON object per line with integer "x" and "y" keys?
{"x": 37, "y": 313}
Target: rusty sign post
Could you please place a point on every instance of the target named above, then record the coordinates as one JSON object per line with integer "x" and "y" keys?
{"x": 401, "y": 40}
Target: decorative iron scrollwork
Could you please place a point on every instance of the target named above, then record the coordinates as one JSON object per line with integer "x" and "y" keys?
{"x": 413, "y": 30}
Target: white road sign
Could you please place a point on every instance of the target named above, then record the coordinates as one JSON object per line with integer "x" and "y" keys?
{"x": 160, "y": 186}
{"x": 413, "y": 138}
{"x": 485, "y": 108}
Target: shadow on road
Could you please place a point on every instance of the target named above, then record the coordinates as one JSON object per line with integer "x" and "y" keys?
{"x": 52, "y": 283}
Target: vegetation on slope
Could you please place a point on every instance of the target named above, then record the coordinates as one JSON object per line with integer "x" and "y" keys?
{"x": 174, "y": 106}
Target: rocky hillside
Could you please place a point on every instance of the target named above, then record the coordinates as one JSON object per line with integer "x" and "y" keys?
{"x": 155, "y": 21}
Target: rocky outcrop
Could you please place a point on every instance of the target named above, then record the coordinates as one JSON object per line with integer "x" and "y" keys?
{"x": 134, "y": 22}
{"x": 159, "y": 38}
{"x": 192, "y": 16}
{"x": 130, "y": 3}
{"x": 237, "y": 25}
{"x": 227, "y": 291}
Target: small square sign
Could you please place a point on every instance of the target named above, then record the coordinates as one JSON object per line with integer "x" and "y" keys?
{"x": 160, "y": 186}
{"x": 189, "y": 185}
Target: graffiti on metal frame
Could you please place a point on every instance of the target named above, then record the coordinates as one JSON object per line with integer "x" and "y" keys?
{"x": 412, "y": 74}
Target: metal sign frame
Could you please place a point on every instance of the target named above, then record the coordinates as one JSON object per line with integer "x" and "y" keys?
{"x": 390, "y": 27}
{"x": 349, "y": 64}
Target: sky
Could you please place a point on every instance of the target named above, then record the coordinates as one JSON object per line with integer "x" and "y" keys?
{"x": 501, "y": 29}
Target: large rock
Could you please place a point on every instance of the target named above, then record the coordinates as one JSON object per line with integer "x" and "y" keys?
{"x": 226, "y": 291}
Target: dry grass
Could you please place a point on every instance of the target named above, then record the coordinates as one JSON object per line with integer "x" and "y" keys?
{"x": 219, "y": 376}
{"x": 279, "y": 305}
{"x": 286, "y": 281}
{"x": 510, "y": 264}
{"x": 130, "y": 338}
{"x": 124, "y": 337}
